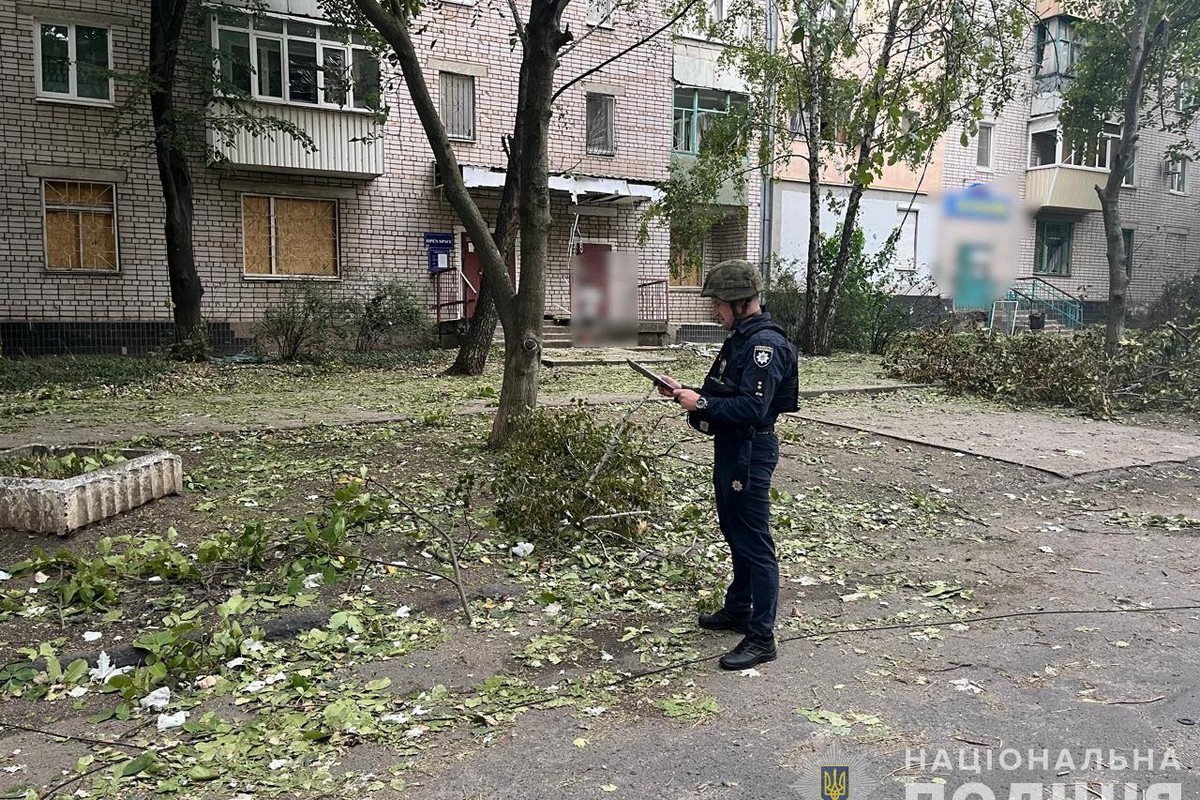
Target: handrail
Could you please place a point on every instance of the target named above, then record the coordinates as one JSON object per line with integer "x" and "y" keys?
{"x": 1037, "y": 279}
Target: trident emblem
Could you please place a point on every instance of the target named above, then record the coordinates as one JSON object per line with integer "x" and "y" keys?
{"x": 835, "y": 782}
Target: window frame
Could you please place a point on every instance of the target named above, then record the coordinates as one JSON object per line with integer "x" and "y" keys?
{"x": 694, "y": 133}
{"x": 72, "y": 95}
{"x": 605, "y": 21}
{"x": 1178, "y": 185}
{"x": 990, "y": 166}
{"x": 274, "y": 275}
{"x": 1039, "y": 264}
{"x": 611, "y": 102}
{"x": 474, "y": 107}
{"x": 1050, "y": 30}
{"x": 1187, "y": 95}
{"x": 284, "y": 37}
{"x": 116, "y": 270}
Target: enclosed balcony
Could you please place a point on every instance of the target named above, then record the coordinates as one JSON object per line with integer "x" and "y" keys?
{"x": 336, "y": 143}
{"x": 1064, "y": 188}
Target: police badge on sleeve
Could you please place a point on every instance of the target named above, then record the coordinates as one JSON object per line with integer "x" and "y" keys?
{"x": 763, "y": 353}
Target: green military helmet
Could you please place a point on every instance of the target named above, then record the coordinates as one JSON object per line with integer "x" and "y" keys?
{"x": 732, "y": 280}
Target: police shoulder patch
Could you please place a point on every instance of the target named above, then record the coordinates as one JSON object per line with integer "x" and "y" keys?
{"x": 763, "y": 353}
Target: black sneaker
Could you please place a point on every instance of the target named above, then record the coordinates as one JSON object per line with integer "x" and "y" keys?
{"x": 723, "y": 621}
{"x": 750, "y": 651}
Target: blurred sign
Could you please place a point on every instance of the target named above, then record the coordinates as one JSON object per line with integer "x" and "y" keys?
{"x": 979, "y": 235}
{"x": 604, "y": 297}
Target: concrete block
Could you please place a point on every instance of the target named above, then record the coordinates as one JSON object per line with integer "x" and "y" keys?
{"x": 61, "y": 506}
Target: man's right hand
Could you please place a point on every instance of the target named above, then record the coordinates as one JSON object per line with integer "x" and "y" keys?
{"x": 668, "y": 392}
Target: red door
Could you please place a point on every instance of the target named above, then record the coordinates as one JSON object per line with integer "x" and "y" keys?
{"x": 472, "y": 275}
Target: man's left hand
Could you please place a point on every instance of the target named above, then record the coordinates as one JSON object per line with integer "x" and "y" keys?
{"x": 687, "y": 398}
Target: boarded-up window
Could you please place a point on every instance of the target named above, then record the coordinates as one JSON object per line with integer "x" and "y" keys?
{"x": 601, "y": 124}
{"x": 289, "y": 236}
{"x": 81, "y": 225}
{"x": 687, "y": 263}
{"x": 458, "y": 105}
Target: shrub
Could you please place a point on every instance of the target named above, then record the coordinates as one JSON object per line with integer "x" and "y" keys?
{"x": 391, "y": 314}
{"x": 301, "y": 324}
{"x": 875, "y": 302}
{"x": 1179, "y": 302}
{"x": 569, "y": 467}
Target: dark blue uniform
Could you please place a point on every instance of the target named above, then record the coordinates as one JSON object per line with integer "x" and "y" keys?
{"x": 753, "y": 380}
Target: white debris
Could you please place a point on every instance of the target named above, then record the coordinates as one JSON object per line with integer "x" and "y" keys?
{"x": 158, "y": 699}
{"x": 965, "y": 685}
{"x": 168, "y": 721}
{"x": 314, "y": 581}
{"x": 104, "y": 669}
{"x": 521, "y": 549}
{"x": 91, "y": 636}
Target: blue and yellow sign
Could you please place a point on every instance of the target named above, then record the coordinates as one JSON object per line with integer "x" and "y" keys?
{"x": 835, "y": 781}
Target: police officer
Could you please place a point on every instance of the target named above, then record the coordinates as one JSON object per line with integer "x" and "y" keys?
{"x": 752, "y": 381}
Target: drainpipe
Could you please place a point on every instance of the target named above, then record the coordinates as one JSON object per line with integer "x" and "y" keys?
{"x": 767, "y": 199}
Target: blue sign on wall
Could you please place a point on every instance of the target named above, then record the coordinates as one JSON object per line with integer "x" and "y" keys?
{"x": 439, "y": 245}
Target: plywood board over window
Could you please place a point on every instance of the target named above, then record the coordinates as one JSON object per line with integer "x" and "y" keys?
{"x": 289, "y": 236}
{"x": 81, "y": 227}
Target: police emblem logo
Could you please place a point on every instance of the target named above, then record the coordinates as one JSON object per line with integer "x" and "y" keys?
{"x": 763, "y": 354}
{"x": 835, "y": 781}
{"x": 832, "y": 773}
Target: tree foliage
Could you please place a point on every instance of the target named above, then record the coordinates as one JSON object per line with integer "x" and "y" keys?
{"x": 1137, "y": 65}
{"x": 864, "y": 85}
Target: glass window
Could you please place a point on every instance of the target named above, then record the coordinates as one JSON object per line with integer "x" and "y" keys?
{"x": 601, "y": 124}
{"x": 367, "y": 86}
{"x": 73, "y": 62}
{"x": 236, "y": 69}
{"x": 270, "y": 67}
{"x": 983, "y": 146}
{"x": 289, "y": 236}
{"x": 1178, "y": 172}
{"x": 333, "y": 68}
{"x": 1053, "y": 248}
{"x": 599, "y": 12}
{"x": 302, "y": 71}
{"x": 457, "y": 104}
{"x": 306, "y": 67}
{"x": 81, "y": 226}
{"x": 91, "y": 61}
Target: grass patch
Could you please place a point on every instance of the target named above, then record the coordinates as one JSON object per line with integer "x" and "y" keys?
{"x": 79, "y": 372}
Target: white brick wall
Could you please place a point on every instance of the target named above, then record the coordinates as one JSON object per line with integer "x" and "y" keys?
{"x": 382, "y": 221}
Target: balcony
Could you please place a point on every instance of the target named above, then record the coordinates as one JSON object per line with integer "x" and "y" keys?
{"x": 347, "y": 143}
{"x": 1063, "y": 188}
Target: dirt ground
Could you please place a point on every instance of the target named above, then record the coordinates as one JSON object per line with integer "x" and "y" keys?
{"x": 965, "y": 604}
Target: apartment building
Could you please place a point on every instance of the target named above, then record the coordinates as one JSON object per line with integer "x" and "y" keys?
{"x": 1063, "y": 249}
{"x": 82, "y": 251}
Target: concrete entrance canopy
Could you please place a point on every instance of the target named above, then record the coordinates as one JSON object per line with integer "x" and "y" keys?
{"x": 582, "y": 188}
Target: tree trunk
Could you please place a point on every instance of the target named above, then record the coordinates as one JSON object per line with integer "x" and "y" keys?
{"x": 1110, "y": 195}
{"x": 544, "y": 37}
{"x": 811, "y": 282}
{"x": 823, "y": 330}
{"x": 476, "y": 343}
{"x": 823, "y": 334}
{"x": 166, "y": 26}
